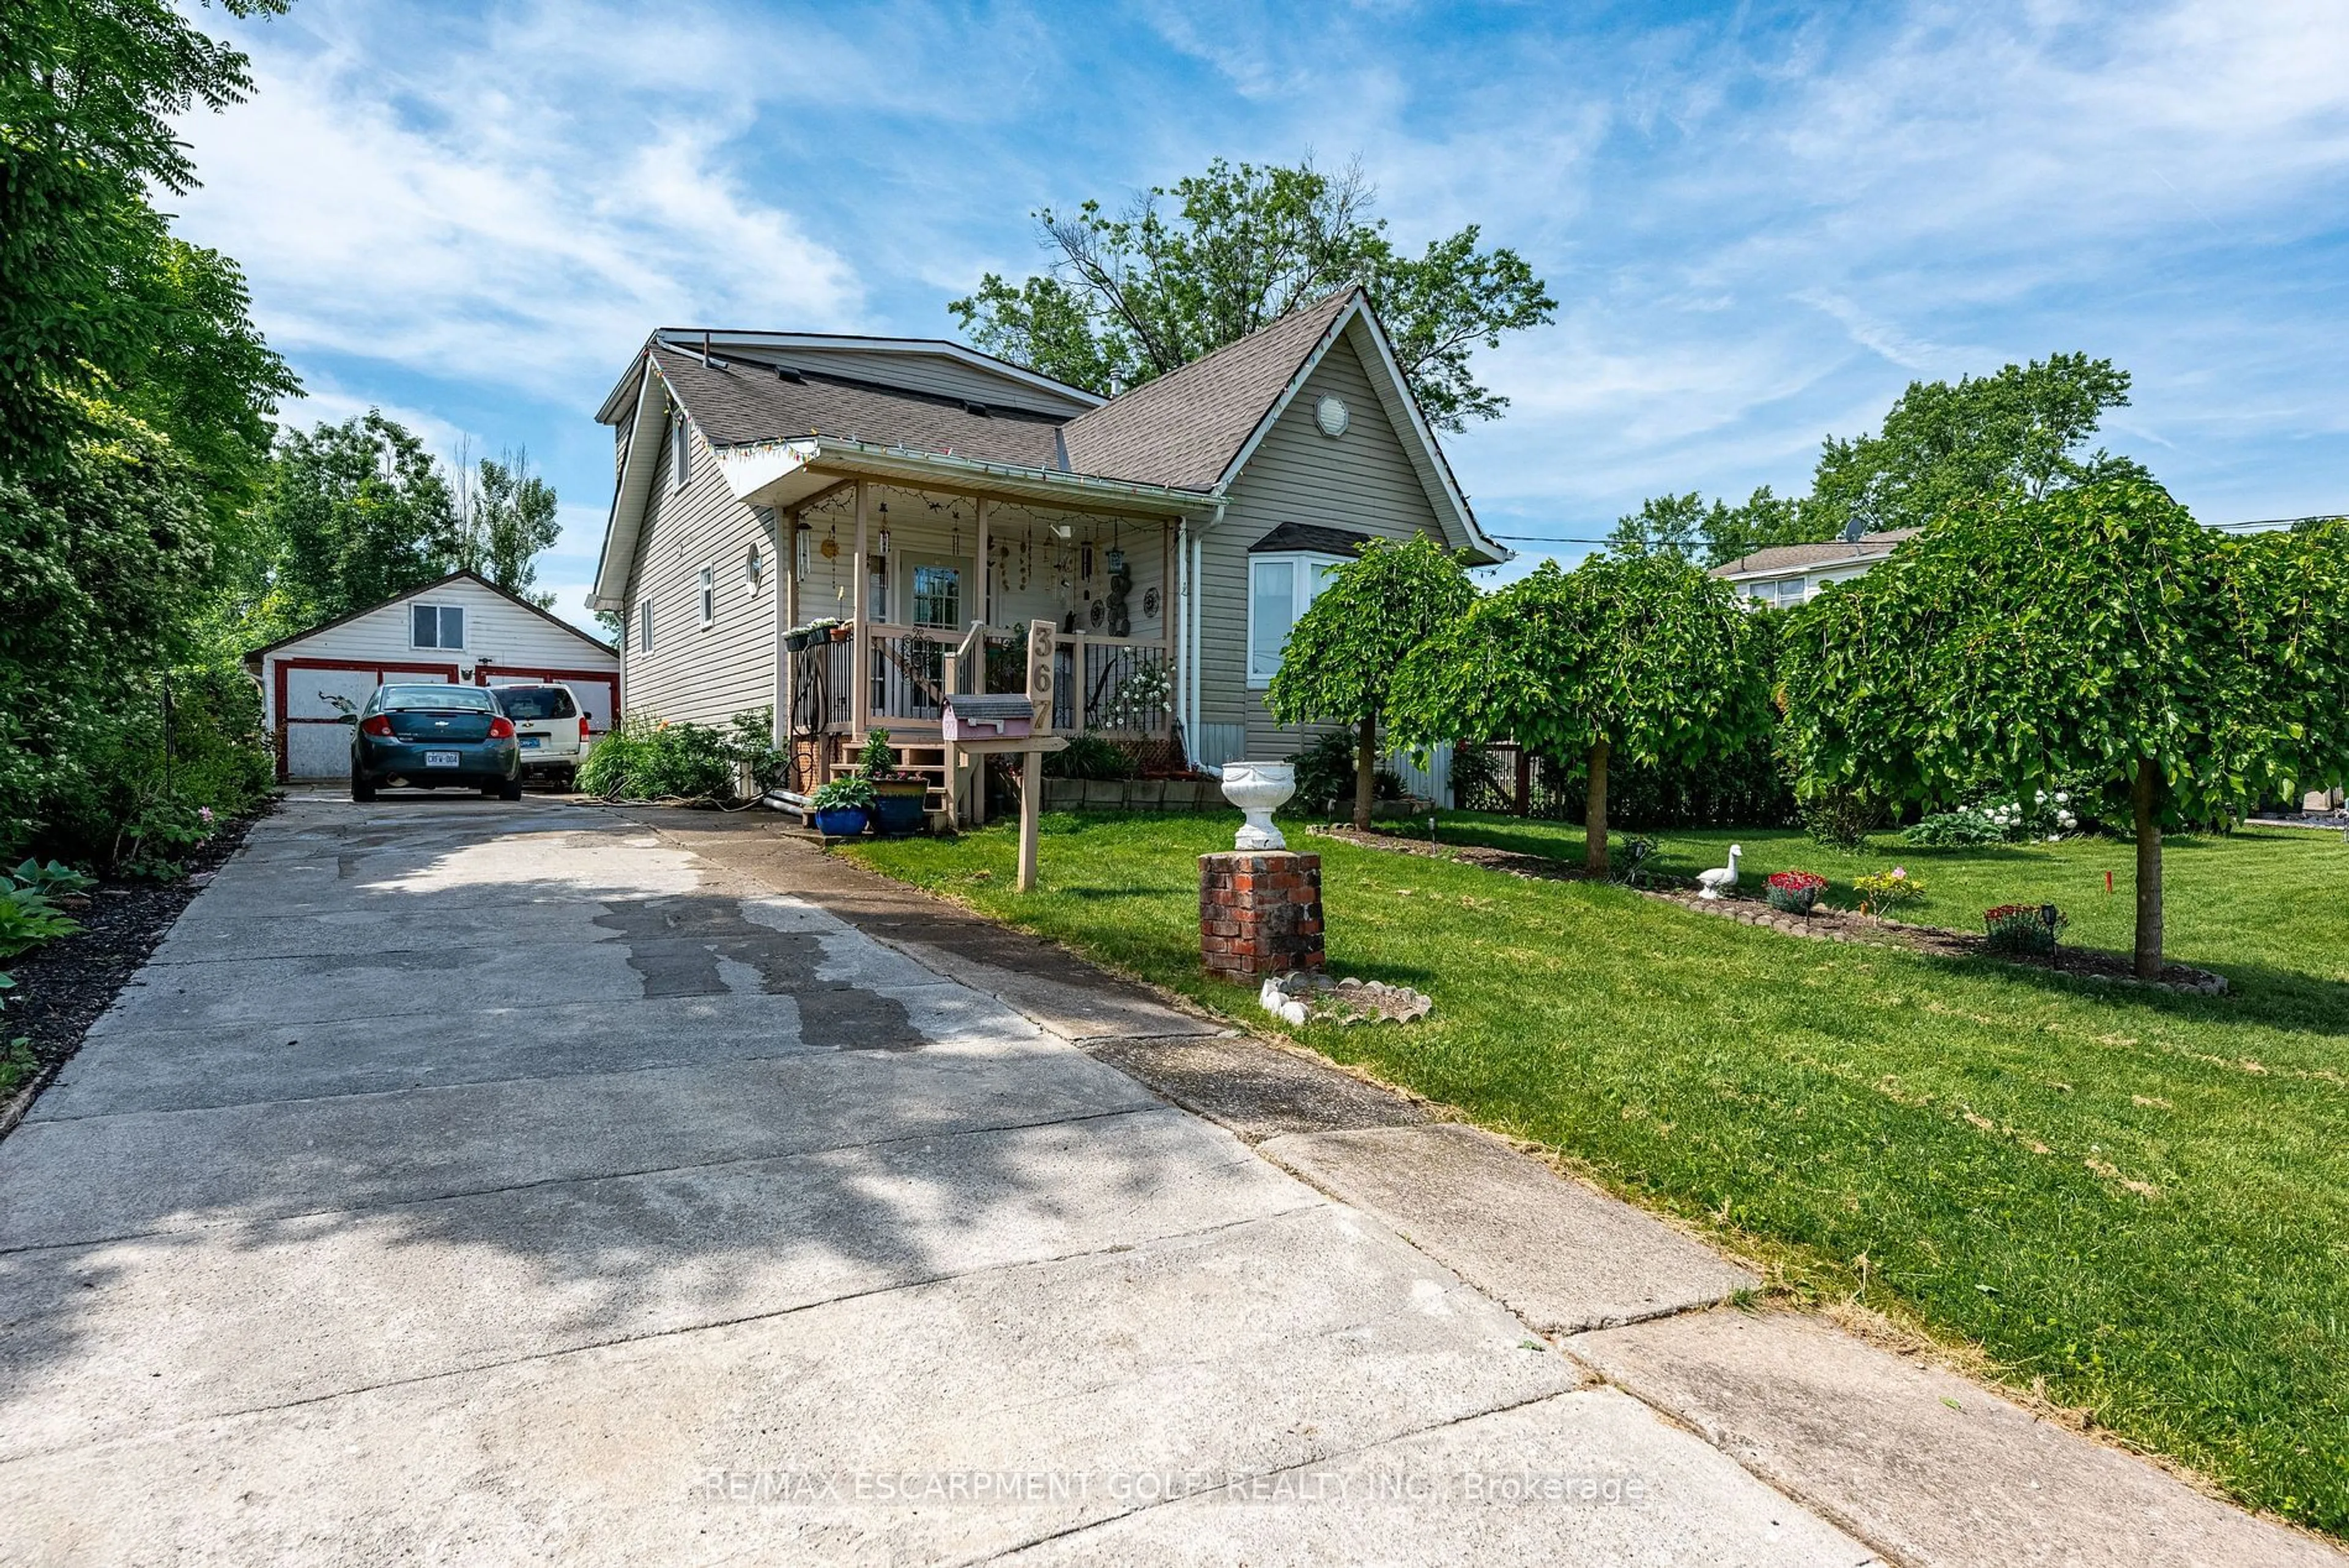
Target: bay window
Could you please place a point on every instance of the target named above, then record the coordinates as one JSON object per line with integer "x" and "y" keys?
{"x": 1281, "y": 587}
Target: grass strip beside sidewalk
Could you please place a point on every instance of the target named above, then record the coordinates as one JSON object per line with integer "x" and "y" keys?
{"x": 2132, "y": 1202}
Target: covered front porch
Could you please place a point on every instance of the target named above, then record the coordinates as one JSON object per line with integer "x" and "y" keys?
{"x": 934, "y": 587}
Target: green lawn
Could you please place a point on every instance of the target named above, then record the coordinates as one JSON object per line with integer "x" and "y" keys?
{"x": 2138, "y": 1199}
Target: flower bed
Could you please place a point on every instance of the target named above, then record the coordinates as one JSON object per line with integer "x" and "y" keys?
{"x": 1823, "y": 924}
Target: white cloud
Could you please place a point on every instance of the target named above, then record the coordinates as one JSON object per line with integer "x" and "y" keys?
{"x": 471, "y": 211}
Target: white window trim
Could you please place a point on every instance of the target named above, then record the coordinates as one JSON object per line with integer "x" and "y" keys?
{"x": 680, "y": 449}
{"x": 705, "y": 601}
{"x": 645, "y": 624}
{"x": 464, "y": 623}
{"x": 1303, "y": 590}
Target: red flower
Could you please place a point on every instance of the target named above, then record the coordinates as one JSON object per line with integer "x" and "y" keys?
{"x": 1798, "y": 882}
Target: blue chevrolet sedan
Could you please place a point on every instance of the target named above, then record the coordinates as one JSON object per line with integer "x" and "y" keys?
{"x": 428, "y": 736}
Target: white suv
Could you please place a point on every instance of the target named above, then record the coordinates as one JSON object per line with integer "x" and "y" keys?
{"x": 550, "y": 725}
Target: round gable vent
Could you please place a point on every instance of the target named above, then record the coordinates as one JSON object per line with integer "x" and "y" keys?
{"x": 1330, "y": 415}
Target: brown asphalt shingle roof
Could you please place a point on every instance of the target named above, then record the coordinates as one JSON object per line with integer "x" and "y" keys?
{"x": 1779, "y": 557}
{"x": 1180, "y": 431}
{"x": 1184, "y": 429}
{"x": 749, "y": 402}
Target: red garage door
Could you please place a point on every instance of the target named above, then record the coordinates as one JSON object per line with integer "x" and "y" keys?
{"x": 315, "y": 698}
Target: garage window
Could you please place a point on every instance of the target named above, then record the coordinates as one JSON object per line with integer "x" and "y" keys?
{"x": 435, "y": 626}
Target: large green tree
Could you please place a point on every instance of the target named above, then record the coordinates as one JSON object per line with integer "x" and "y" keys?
{"x": 508, "y": 518}
{"x": 351, "y": 515}
{"x": 1639, "y": 658}
{"x": 2094, "y": 636}
{"x": 1373, "y": 613}
{"x": 1130, "y": 296}
{"x": 92, "y": 286}
{"x": 103, "y": 553}
{"x": 2022, "y": 433}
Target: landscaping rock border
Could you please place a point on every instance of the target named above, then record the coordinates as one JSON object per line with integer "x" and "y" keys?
{"x": 1821, "y": 925}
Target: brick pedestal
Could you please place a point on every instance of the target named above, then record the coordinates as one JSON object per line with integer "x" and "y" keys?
{"x": 1259, "y": 913}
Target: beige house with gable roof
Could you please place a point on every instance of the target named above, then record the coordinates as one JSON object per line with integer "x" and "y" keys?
{"x": 1792, "y": 574}
{"x": 935, "y": 501}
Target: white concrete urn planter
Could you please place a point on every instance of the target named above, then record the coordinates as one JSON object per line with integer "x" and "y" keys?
{"x": 1259, "y": 789}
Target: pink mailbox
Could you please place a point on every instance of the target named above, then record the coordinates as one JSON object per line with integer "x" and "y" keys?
{"x": 1004, "y": 717}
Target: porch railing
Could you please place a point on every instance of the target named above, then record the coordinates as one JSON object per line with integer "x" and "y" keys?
{"x": 1104, "y": 684}
{"x": 820, "y": 698}
{"x": 1127, "y": 688}
{"x": 905, "y": 669}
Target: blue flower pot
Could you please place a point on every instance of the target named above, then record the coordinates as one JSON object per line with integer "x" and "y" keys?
{"x": 901, "y": 809}
{"x": 839, "y": 822}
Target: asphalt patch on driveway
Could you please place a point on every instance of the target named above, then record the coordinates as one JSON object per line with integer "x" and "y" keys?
{"x": 675, "y": 945}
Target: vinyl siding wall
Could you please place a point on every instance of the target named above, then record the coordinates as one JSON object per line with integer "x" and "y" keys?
{"x": 710, "y": 673}
{"x": 1363, "y": 480}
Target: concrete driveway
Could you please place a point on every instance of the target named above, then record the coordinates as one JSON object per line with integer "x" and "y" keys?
{"x": 476, "y": 1183}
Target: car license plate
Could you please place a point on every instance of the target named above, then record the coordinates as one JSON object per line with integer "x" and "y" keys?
{"x": 440, "y": 759}
{"x": 530, "y": 743}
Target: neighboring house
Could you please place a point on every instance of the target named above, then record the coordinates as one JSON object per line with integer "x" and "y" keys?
{"x": 464, "y": 628}
{"x": 939, "y": 500}
{"x": 1790, "y": 573}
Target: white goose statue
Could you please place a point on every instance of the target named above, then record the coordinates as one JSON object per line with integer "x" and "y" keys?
{"x": 1719, "y": 879}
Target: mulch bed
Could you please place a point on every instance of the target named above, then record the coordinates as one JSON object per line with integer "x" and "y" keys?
{"x": 1822, "y": 924}
{"x": 63, "y": 986}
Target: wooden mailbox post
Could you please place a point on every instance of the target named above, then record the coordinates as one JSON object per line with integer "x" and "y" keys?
{"x": 979, "y": 725}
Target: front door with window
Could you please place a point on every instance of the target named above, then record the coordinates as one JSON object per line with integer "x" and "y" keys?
{"x": 933, "y": 594}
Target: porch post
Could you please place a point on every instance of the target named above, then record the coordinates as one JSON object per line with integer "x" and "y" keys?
{"x": 986, "y": 572}
{"x": 860, "y": 642}
{"x": 786, "y": 540}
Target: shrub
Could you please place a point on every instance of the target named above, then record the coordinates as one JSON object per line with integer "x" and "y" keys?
{"x": 1842, "y": 820}
{"x": 1953, "y": 830}
{"x": 1089, "y": 757}
{"x": 1796, "y": 892}
{"x": 1476, "y": 778}
{"x": 2045, "y": 815}
{"x": 1325, "y": 774}
{"x": 106, "y": 781}
{"x": 1632, "y": 855}
{"x": 648, "y": 758}
{"x": 1888, "y": 892}
{"x": 751, "y": 737}
{"x": 2024, "y": 928}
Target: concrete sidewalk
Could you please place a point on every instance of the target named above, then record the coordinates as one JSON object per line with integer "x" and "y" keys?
{"x": 477, "y": 1183}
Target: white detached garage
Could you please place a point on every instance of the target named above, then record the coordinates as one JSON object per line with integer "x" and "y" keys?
{"x": 462, "y": 628}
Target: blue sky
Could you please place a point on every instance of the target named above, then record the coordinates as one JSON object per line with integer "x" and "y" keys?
{"x": 1761, "y": 222}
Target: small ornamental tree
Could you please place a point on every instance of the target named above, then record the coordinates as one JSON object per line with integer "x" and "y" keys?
{"x": 2096, "y": 635}
{"x": 1370, "y": 615}
{"x": 1644, "y": 658}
